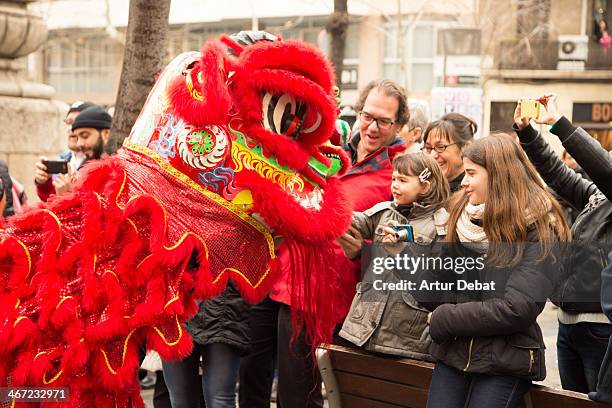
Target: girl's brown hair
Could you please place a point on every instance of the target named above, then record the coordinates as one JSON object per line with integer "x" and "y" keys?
{"x": 414, "y": 164}
{"x": 515, "y": 192}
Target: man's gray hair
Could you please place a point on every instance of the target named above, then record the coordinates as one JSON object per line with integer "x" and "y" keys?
{"x": 419, "y": 117}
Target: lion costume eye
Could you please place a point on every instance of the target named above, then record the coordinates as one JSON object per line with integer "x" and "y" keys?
{"x": 282, "y": 114}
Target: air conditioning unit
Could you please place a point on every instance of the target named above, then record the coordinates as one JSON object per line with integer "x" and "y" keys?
{"x": 573, "y": 47}
{"x": 573, "y": 52}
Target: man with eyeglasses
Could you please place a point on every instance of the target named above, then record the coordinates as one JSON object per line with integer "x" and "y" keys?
{"x": 382, "y": 111}
{"x": 75, "y": 157}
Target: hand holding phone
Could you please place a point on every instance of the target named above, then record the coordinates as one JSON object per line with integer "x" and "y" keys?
{"x": 56, "y": 166}
{"x": 530, "y": 108}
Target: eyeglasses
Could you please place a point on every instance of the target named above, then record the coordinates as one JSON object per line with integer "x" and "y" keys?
{"x": 440, "y": 148}
{"x": 382, "y": 123}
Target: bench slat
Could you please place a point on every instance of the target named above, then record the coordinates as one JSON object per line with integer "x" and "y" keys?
{"x": 398, "y": 370}
{"x": 380, "y": 390}
{"x": 354, "y": 401}
{"x": 545, "y": 397}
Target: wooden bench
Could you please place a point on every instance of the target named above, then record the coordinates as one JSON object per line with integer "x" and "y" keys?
{"x": 355, "y": 378}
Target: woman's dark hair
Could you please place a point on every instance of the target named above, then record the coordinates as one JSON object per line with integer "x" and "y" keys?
{"x": 389, "y": 88}
{"x": 454, "y": 128}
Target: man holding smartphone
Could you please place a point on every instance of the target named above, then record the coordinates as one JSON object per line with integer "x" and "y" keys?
{"x": 89, "y": 132}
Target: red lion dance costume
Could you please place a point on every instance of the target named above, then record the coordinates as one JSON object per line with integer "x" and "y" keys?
{"x": 230, "y": 152}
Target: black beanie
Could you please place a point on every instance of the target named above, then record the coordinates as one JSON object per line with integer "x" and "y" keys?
{"x": 93, "y": 117}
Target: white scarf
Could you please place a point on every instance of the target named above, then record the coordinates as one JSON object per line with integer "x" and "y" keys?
{"x": 472, "y": 235}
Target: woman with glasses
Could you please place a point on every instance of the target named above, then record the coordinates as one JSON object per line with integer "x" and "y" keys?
{"x": 445, "y": 139}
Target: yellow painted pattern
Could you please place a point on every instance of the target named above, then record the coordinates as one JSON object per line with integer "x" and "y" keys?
{"x": 244, "y": 158}
{"x": 195, "y": 94}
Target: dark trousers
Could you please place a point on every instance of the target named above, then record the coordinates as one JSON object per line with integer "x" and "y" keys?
{"x": 299, "y": 382}
{"x": 451, "y": 388}
{"x": 604, "y": 383}
{"x": 218, "y": 384}
{"x": 161, "y": 397}
{"x": 581, "y": 348}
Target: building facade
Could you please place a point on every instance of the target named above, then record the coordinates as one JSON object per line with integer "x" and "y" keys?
{"x": 473, "y": 56}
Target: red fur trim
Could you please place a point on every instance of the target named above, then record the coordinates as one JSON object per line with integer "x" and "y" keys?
{"x": 214, "y": 107}
{"x": 294, "y": 56}
{"x": 256, "y": 295}
{"x": 65, "y": 313}
{"x": 283, "y": 214}
{"x": 312, "y": 286}
{"x": 231, "y": 44}
{"x": 177, "y": 351}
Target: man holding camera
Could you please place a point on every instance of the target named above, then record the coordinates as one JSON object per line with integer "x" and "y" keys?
{"x": 90, "y": 131}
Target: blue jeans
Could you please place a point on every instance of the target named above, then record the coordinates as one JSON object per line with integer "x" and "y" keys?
{"x": 221, "y": 363}
{"x": 451, "y": 388}
{"x": 581, "y": 348}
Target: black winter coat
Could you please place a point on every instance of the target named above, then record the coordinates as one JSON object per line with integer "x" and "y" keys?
{"x": 223, "y": 319}
{"x": 496, "y": 333}
{"x": 579, "y": 291}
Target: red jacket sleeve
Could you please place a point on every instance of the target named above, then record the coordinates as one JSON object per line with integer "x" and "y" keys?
{"x": 45, "y": 190}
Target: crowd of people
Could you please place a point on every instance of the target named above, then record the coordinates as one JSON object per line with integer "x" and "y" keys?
{"x": 448, "y": 187}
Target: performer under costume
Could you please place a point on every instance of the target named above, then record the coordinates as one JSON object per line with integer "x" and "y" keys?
{"x": 230, "y": 152}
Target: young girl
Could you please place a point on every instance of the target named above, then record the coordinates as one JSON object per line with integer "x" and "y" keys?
{"x": 392, "y": 321}
{"x": 488, "y": 351}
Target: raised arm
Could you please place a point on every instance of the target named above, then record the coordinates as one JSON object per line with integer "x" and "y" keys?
{"x": 564, "y": 181}
{"x": 587, "y": 152}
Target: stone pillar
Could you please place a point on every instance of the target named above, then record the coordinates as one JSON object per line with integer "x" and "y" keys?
{"x": 31, "y": 123}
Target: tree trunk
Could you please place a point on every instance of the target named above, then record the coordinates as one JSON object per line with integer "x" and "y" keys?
{"x": 144, "y": 58}
{"x": 336, "y": 27}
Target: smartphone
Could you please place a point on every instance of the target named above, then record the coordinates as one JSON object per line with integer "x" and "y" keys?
{"x": 56, "y": 166}
{"x": 530, "y": 108}
{"x": 404, "y": 232}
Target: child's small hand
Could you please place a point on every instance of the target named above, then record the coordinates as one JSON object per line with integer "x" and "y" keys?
{"x": 389, "y": 232}
{"x": 389, "y": 237}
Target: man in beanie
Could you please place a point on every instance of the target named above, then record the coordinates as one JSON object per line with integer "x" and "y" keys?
{"x": 74, "y": 156}
{"x": 44, "y": 180}
{"x": 90, "y": 131}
